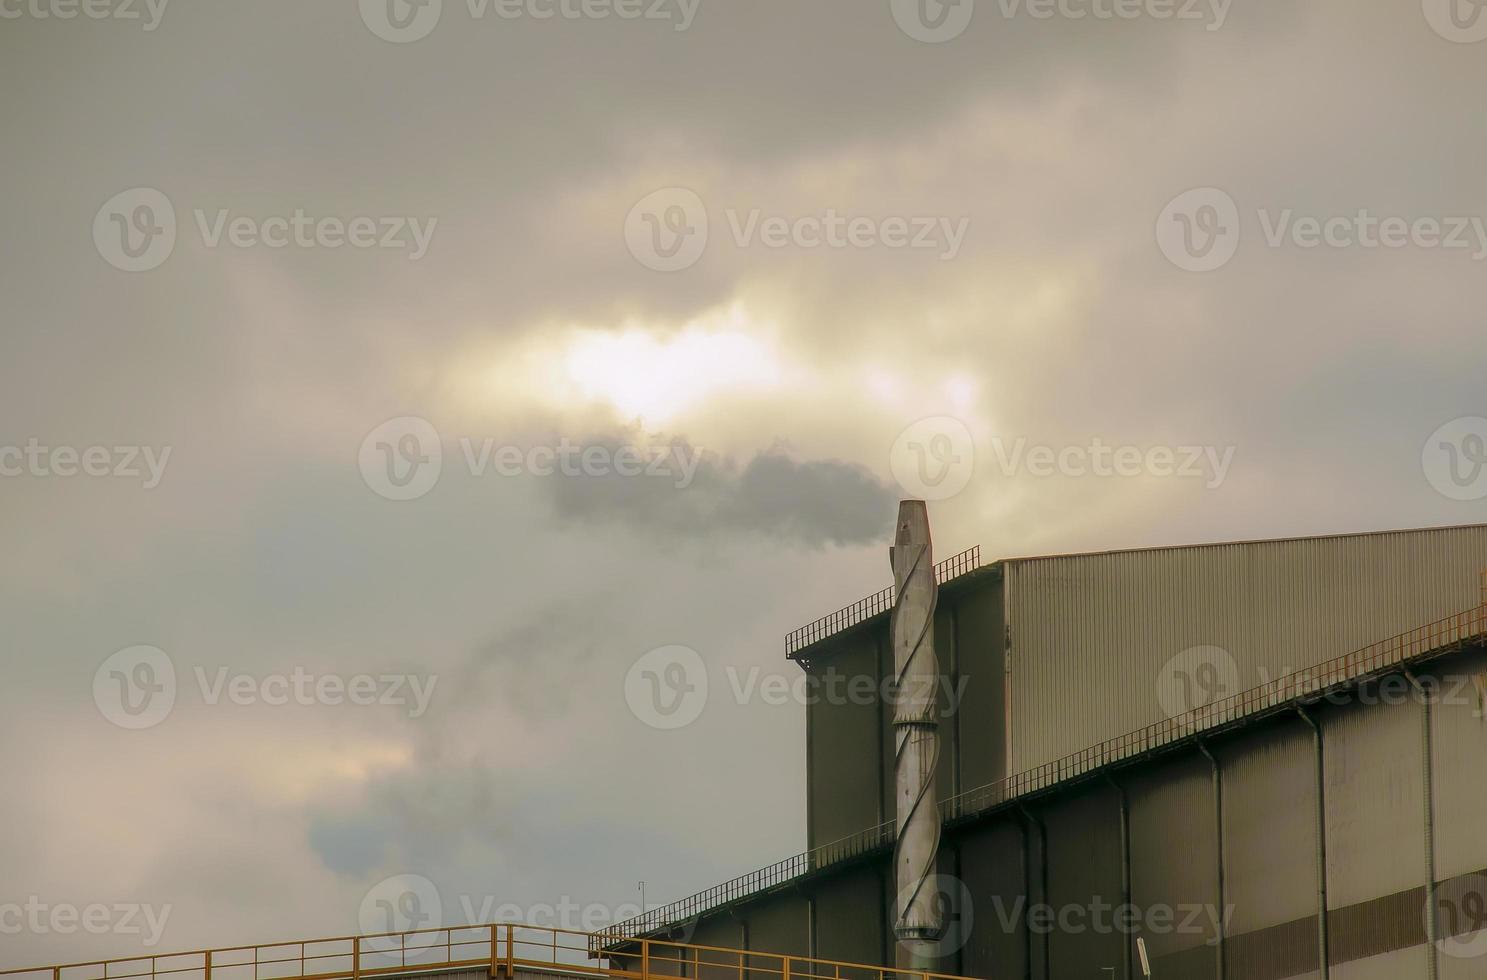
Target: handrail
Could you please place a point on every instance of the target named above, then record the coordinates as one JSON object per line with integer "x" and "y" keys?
{"x": 541, "y": 949}
{"x": 879, "y": 602}
{"x": 1310, "y": 683}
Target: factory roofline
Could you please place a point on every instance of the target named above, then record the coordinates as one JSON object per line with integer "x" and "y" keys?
{"x": 957, "y": 570}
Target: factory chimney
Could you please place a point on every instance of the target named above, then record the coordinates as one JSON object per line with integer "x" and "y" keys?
{"x": 917, "y": 913}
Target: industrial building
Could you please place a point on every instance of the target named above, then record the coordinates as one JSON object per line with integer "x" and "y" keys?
{"x": 1240, "y": 761}
{"x": 1243, "y": 761}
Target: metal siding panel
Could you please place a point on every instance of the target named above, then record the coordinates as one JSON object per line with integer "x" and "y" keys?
{"x": 779, "y": 924}
{"x": 991, "y": 867}
{"x": 1459, "y": 746}
{"x": 1372, "y": 757}
{"x": 1174, "y": 862}
{"x": 845, "y": 782}
{"x": 979, "y": 641}
{"x": 1084, "y": 869}
{"x": 945, "y": 655}
{"x": 1090, "y": 634}
{"x": 1402, "y": 964}
{"x": 1270, "y": 827}
{"x": 849, "y": 916}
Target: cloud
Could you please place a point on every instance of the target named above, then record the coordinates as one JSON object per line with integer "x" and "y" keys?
{"x": 800, "y": 503}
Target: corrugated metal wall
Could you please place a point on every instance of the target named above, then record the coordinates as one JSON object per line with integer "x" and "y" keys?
{"x": 850, "y": 915}
{"x": 1373, "y": 760}
{"x": 1270, "y": 853}
{"x": 850, "y": 746}
{"x": 1459, "y": 754}
{"x": 1091, "y": 634}
{"x": 1085, "y": 882}
{"x": 1174, "y": 866}
{"x": 845, "y": 784}
{"x": 992, "y": 867}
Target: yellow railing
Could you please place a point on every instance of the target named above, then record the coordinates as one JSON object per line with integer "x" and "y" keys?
{"x": 500, "y": 948}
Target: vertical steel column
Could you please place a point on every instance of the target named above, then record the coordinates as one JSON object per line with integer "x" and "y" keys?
{"x": 1125, "y": 867}
{"x": 1218, "y": 816}
{"x": 1322, "y": 950}
{"x": 1042, "y": 896}
{"x": 916, "y": 734}
{"x": 1432, "y": 930}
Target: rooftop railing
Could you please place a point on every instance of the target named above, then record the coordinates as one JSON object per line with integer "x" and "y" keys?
{"x": 1302, "y": 686}
{"x": 502, "y": 949}
{"x": 879, "y": 602}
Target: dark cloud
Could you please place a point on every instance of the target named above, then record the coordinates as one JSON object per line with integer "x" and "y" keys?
{"x": 802, "y": 503}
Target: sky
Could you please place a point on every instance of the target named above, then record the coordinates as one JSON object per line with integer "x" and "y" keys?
{"x": 394, "y": 397}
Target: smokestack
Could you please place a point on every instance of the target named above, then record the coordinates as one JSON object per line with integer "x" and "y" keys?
{"x": 917, "y": 920}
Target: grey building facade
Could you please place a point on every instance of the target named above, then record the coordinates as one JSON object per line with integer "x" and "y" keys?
{"x": 1261, "y": 759}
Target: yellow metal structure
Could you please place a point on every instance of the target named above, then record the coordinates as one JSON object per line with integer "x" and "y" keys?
{"x": 502, "y": 949}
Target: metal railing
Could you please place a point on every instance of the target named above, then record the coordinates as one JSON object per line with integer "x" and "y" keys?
{"x": 501, "y": 948}
{"x": 1303, "y": 685}
{"x": 879, "y": 602}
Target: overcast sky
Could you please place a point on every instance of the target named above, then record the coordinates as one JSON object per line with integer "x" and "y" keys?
{"x": 317, "y": 278}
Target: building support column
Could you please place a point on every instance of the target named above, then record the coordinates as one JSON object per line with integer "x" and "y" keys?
{"x": 1218, "y": 821}
{"x": 1125, "y": 868}
{"x": 1322, "y": 952}
{"x": 1432, "y": 929}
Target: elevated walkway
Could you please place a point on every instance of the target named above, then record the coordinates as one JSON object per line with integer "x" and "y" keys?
{"x": 510, "y": 951}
